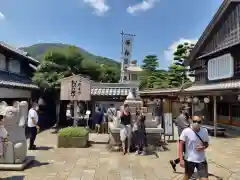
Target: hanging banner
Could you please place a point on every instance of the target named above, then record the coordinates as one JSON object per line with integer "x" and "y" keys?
{"x": 168, "y": 124}
{"x": 127, "y": 49}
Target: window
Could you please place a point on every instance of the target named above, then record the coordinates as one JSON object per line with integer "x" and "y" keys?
{"x": 2, "y": 62}
{"x": 14, "y": 66}
{"x": 134, "y": 77}
{"x": 237, "y": 65}
{"x": 220, "y": 67}
{"x": 223, "y": 111}
{"x": 200, "y": 76}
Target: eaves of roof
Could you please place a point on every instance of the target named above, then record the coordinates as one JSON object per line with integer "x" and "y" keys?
{"x": 216, "y": 18}
{"x": 19, "y": 52}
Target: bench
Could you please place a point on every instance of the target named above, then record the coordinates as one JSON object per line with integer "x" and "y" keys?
{"x": 210, "y": 128}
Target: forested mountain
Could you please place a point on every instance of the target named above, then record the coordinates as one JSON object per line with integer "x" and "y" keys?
{"x": 37, "y": 51}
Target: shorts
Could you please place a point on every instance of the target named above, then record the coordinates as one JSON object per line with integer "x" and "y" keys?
{"x": 125, "y": 132}
{"x": 202, "y": 169}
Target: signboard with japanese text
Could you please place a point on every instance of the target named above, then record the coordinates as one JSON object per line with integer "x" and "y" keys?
{"x": 127, "y": 49}
{"x": 75, "y": 88}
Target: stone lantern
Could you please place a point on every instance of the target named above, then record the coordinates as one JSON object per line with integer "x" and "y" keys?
{"x": 133, "y": 72}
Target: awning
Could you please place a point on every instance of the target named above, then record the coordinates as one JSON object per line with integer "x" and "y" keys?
{"x": 109, "y": 91}
{"x": 166, "y": 91}
{"x": 229, "y": 85}
{"x": 14, "y": 80}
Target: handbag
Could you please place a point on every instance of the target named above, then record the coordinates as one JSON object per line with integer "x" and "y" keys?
{"x": 199, "y": 137}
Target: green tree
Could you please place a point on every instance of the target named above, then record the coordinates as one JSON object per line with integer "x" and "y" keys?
{"x": 150, "y": 63}
{"x": 177, "y": 71}
{"x": 151, "y": 77}
{"x": 57, "y": 64}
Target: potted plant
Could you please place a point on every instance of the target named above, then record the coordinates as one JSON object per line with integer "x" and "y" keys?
{"x": 73, "y": 137}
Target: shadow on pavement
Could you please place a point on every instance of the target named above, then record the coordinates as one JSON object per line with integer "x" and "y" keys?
{"x": 14, "y": 178}
{"x": 217, "y": 177}
{"x": 36, "y": 163}
{"x": 44, "y": 148}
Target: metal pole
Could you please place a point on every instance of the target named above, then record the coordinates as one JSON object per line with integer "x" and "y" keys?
{"x": 121, "y": 76}
{"x": 215, "y": 115}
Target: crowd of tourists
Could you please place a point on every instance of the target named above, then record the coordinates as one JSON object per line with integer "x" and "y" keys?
{"x": 193, "y": 139}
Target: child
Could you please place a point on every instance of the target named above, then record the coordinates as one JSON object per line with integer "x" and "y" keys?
{"x": 3, "y": 135}
{"x": 140, "y": 134}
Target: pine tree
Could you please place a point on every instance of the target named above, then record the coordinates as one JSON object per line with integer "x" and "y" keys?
{"x": 177, "y": 71}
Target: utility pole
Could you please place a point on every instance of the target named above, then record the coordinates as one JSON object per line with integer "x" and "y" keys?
{"x": 130, "y": 36}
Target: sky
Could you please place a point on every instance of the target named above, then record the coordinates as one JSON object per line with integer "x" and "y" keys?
{"x": 95, "y": 25}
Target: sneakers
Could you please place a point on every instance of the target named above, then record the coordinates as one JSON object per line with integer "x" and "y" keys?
{"x": 173, "y": 165}
{"x": 143, "y": 153}
{"x": 137, "y": 152}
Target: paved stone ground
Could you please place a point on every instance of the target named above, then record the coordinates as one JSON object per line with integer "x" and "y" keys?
{"x": 98, "y": 163}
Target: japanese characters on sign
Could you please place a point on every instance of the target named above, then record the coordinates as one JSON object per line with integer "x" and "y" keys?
{"x": 73, "y": 88}
{"x": 127, "y": 49}
{"x": 76, "y": 88}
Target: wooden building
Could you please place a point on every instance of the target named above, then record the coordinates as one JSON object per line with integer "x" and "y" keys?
{"x": 216, "y": 62}
{"x": 104, "y": 94}
{"x": 167, "y": 97}
{"x": 16, "y": 70}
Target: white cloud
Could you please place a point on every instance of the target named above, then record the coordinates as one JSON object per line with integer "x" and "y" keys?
{"x": 168, "y": 54}
{"x": 2, "y": 17}
{"x": 99, "y": 6}
{"x": 143, "y": 6}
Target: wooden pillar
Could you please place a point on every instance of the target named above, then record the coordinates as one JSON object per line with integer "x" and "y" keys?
{"x": 75, "y": 113}
{"x": 215, "y": 115}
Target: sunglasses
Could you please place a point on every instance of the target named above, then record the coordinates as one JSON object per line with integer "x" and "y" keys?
{"x": 198, "y": 122}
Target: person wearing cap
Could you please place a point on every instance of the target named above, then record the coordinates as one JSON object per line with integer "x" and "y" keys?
{"x": 194, "y": 140}
{"x": 182, "y": 123}
{"x": 33, "y": 125}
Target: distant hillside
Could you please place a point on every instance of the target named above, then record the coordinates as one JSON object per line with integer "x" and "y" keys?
{"x": 37, "y": 51}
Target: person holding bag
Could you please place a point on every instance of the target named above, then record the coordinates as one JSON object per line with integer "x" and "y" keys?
{"x": 139, "y": 134}
{"x": 195, "y": 140}
{"x": 126, "y": 128}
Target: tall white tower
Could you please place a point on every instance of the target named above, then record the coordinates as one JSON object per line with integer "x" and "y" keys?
{"x": 126, "y": 56}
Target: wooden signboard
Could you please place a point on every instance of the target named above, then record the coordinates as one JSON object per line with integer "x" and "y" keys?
{"x": 75, "y": 88}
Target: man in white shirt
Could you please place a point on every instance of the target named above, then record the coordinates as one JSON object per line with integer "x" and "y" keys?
{"x": 33, "y": 125}
{"x": 195, "y": 139}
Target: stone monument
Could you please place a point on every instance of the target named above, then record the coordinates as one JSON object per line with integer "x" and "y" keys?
{"x": 153, "y": 128}
{"x": 15, "y": 147}
{"x": 130, "y": 75}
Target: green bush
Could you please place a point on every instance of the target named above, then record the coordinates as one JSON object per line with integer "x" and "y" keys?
{"x": 73, "y": 132}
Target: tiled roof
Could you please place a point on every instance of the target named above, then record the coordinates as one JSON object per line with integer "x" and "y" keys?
{"x": 109, "y": 91}
{"x": 216, "y": 86}
{"x": 19, "y": 51}
{"x": 160, "y": 91}
{"x": 14, "y": 80}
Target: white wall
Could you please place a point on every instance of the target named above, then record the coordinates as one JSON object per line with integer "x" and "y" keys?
{"x": 14, "y": 93}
